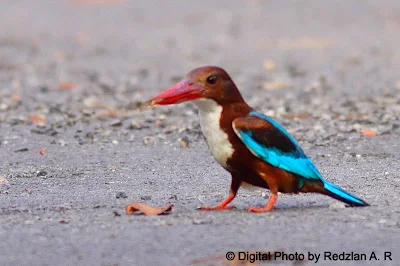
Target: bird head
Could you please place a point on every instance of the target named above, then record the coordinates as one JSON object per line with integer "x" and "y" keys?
{"x": 208, "y": 82}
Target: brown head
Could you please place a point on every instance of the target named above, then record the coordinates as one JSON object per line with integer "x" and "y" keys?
{"x": 208, "y": 82}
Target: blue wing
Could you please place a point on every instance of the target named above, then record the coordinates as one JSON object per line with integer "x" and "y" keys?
{"x": 269, "y": 141}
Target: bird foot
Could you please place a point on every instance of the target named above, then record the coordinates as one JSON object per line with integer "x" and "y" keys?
{"x": 267, "y": 208}
{"x": 259, "y": 209}
{"x": 216, "y": 208}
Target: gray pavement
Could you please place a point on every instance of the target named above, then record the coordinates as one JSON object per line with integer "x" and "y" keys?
{"x": 327, "y": 70}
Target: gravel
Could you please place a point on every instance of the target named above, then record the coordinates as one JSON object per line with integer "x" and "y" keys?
{"x": 73, "y": 74}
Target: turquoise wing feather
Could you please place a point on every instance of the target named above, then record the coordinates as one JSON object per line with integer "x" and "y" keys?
{"x": 269, "y": 141}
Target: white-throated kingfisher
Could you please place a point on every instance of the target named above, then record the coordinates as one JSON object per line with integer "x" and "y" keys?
{"x": 255, "y": 149}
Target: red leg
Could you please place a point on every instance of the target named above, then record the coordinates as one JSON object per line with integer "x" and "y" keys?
{"x": 271, "y": 178}
{"x": 235, "y": 185}
{"x": 222, "y": 205}
{"x": 268, "y": 207}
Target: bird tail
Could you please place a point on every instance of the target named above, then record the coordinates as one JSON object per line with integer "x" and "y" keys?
{"x": 338, "y": 193}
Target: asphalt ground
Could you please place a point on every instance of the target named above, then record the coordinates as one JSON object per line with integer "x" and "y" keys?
{"x": 74, "y": 150}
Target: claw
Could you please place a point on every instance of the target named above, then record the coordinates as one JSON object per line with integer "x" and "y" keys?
{"x": 222, "y": 206}
{"x": 258, "y": 209}
{"x": 267, "y": 208}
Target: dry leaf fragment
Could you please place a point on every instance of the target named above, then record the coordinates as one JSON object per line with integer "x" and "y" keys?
{"x": 66, "y": 86}
{"x": 277, "y": 85}
{"x": 146, "y": 209}
{"x": 43, "y": 152}
{"x": 299, "y": 116}
{"x": 269, "y": 65}
{"x": 38, "y": 119}
{"x": 106, "y": 113}
{"x": 368, "y": 133}
{"x": 16, "y": 97}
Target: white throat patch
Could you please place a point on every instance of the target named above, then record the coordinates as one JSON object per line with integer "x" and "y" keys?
{"x": 217, "y": 139}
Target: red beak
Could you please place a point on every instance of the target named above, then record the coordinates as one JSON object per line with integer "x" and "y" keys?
{"x": 183, "y": 91}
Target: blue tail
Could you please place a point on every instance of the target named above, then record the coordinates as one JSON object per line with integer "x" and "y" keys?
{"x": 339, "y": 194}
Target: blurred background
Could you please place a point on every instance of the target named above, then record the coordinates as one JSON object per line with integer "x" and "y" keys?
{"x": 145, "y": 44}
{"x": 107, "y": 56}
{"x": 74, "y": 150}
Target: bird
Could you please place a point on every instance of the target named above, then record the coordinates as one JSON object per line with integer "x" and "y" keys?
{"x": 254, "y": 148}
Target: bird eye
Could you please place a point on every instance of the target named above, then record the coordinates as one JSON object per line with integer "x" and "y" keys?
{"x": 212, "y": 79}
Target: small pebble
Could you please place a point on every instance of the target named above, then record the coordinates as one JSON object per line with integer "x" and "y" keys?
{"x": 184, "y": 143}
{"x": 145, "y": 197}
{"x": 337, "y": 205}
{"x": 199, "y": 221}
{"x": 173, "y": 197}
{"x": 116, "y": 123}
{"x": 160, "y": 223}
{"x": 159, "y": 123}
{"x": 62, "y": 143}
{"x": 105, "y": 133}
{"x": 135, "y": 125}
{"x": 3, "y": 180}
{"x": 148, "y": 141}
{"x": 41, "y": 173}
{"x": 121, "y": 195}
{"x": 3, "y": 107}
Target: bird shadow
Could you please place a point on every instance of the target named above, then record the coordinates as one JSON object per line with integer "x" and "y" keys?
{"x": 288, "y": 208}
